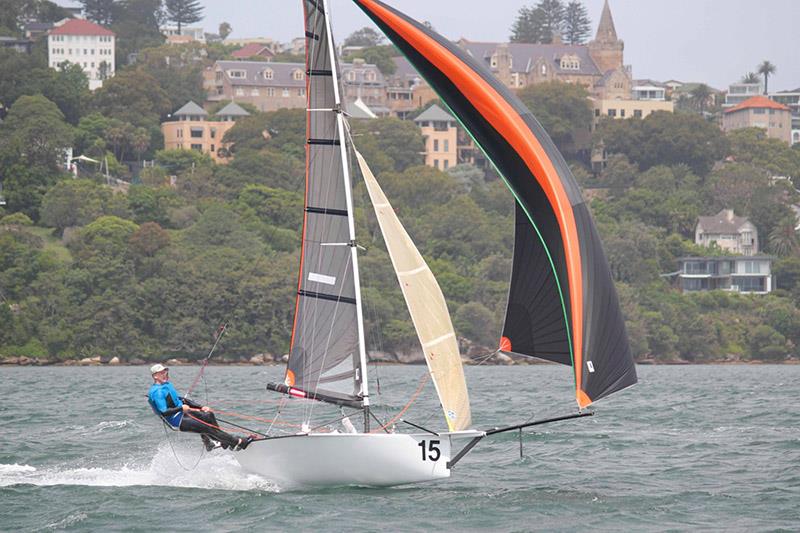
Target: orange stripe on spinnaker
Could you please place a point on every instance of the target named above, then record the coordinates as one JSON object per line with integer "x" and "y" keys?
{"x": 499, "y": 113}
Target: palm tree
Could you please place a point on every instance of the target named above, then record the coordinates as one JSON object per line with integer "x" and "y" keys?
{"x": 751, "y": 77}
{"x": 766, "y": 69}
{"x": 700, "y": 95}
{"x": 783, "y": 239}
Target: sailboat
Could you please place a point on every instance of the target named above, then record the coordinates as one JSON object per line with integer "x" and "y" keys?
{"x": 562, "y": 304}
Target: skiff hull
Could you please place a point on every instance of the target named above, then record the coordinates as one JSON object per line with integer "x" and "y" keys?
{"x": 336, "y": 459}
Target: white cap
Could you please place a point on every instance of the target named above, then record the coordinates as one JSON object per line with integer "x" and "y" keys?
{"x": 158, "y": 367}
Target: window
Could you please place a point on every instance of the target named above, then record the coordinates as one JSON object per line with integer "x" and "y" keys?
{"x": 198, "y": 147}
{"x": 752, "y": 267}
{"x": 212, "y": 147}
{"x": 285, "y": 93}
{"x": 268, "y": 74}
{"x": 750, "y": 284}
{"x": 612, "y": 112}
{"x": 351, "y": 75}
{"x": 446, "y": 146}
{"x": 436, "y": 163}
{"x": 544, "y": 70}
{"x": 436, "y": 145}
{"x": 254, "y": 92}
{"x": 301, "y": 92}
{"x": 197, "y": 133}
{"x": 237, "y": 74}
{"x": 446, "y": 164}
{"x": 239, "y": 91}
{"x": 297, "y": 75}
{"x": 637, "y": 113}
{"x": 179, "y": 133}
{"x": 213, "y": 133}
{"x": 759, "y": 111}
{"x": 370, "y": 76}
{"x": 622, "y": 113}
{"x": 270, "y": 91}
{"x": 597, "y": 112}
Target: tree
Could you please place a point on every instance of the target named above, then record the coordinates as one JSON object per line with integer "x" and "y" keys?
{"x": 539, "y": 24}
{"x": 380, "y": 56}
{"x": 365, "y": 37}
{"x": 577, "y": 26}
{"x": 133, "y": 96}
{"x": 99, "y": 11}
{"x": 751, "y": 77}
{"x": 35, "y": 133}
{"x": 136, "y": 23}
{"x": 16, "y": 12}
{"x": 766, "y": 69}
{"x": 399, "y": 140}
{"x": 225, "y": 29}
{"x": 700, "y": 95}
{"x": 561, "y": 108}
{"x": 178, "y": 69}
{"x": 664, "y": 138}
{"x": 74, "y": 203}
{"x": 783, "y": 240}
{"x": 183, "y": 12}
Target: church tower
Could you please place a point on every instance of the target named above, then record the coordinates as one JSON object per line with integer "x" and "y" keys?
{"x": 606, "y": 49}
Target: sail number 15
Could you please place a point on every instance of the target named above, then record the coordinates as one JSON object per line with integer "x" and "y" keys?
{"x": 430, "y": 450}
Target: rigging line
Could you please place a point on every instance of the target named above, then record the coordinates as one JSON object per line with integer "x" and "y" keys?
{"x": 218, "y": 336}
{"x": 422, "y": 382}
{"x": 256, "y": 418}
{"x": 227, "y": 430}
{"x": 175, "y": 454}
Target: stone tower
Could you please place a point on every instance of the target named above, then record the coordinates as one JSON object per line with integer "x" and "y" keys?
{"x": 606, "y": 49}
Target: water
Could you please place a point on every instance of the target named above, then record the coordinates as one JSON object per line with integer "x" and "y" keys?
{"x": 698, "y": 447}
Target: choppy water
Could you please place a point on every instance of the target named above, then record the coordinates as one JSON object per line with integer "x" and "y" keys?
{"x": 701, "y": 447}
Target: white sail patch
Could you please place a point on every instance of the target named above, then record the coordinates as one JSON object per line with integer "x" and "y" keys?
{"x": 591, "y": 366}
{"x": 321, "y": 278}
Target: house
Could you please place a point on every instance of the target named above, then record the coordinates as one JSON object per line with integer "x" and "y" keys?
{"x": 261, "y": 50}
{"x": 186, "y": 34}
{"x": 734, "y": 273}
{"x": 791, "y": 99}
{"x": 598, "y": 65}
{"x": 728, "y": 231}
{"x": 441, "y": 137}
{"x": 406, "y": 90}
{"x": 85, "y": 44}
{"x": 23, "y": 46}
{"x": 192, "y": 130}
{"x": 362, "y": 80}
{"x": 270, "y": 86}
{"x": 760, "y": 112}
{"x": 267, "y": 86}
{"x": 739, "y": 92}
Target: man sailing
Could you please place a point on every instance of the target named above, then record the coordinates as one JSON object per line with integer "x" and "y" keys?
{"x": 185, "y": 415}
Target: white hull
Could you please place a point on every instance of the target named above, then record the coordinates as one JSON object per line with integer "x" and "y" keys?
{"x": 332, "y": 459}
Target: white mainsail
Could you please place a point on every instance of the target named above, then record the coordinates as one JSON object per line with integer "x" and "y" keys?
{"x": 427, "y": 307}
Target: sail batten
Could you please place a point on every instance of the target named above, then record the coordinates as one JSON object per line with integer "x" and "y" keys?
{"x": 427, "y": 307}
{"x": 560, "y": 273}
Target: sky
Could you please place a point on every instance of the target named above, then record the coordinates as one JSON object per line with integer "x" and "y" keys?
{"x": 711, "y": 41}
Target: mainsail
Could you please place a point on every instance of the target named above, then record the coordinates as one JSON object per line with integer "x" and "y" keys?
{"x": 327, "y": 350}
{"x": 562, "y": 304}
{"x": 427, "y": 307}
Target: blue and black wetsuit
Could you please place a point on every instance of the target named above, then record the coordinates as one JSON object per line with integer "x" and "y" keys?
{"x": 168, "y": 405}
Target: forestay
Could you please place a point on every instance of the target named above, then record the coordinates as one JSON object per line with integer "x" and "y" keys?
{"x": 427, "y": 307}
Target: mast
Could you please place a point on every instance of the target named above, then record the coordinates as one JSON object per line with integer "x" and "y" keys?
{"x": 348, "y": 191}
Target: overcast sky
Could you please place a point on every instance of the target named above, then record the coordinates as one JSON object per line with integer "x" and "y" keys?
{"x": 714, "y": 41}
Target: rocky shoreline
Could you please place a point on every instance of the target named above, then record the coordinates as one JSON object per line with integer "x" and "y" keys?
{"x": 493, "y": 359}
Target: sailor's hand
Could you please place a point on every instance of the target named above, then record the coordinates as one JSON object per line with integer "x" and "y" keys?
{"x": 185, "y": 408}
{"x": 205, "y": 409}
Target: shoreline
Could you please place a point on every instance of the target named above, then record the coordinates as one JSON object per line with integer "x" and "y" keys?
{"x": 95, "y": 362}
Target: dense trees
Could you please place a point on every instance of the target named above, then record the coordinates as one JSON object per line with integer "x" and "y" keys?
{"x": 183, "y": 12}
{"x": 562, "y": 108}
{"x": 551, "y": 19}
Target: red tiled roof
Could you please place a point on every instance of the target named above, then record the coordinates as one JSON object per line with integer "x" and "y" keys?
{"x": 250, "y": 50}
{"x": 80, "y": 27}
{"x": 758, "y": 102}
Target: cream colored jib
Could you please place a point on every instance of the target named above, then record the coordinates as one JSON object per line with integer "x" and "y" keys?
{"x": 427, "y": 307}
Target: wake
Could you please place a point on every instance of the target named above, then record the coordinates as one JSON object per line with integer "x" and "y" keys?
{"x": 216, "y": 470}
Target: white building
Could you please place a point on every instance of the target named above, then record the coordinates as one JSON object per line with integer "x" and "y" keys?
{"x": 193, "y": 33}
{"x": 729, "y": 232}
{"x": 85, "y": 44}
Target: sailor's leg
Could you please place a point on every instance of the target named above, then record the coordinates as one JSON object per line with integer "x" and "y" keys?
{"x": 202, "y": 422}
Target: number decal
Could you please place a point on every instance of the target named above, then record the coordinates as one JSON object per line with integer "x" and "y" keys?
{"x": 431, "y": 451}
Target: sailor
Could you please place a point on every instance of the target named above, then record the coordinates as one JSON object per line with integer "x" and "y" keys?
{"x": 185, "y": 415}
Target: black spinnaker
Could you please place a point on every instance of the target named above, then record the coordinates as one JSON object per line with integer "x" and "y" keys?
{"x": 562, "y": 306}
